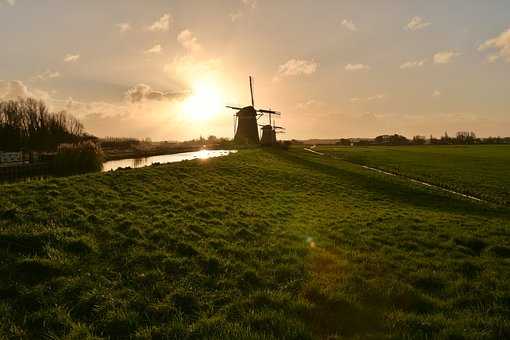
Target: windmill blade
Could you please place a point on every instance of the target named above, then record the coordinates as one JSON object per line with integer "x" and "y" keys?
{"x": 251, "y": 92}
{"x": 234, "y": 107}
{"x": 269, "y": 111}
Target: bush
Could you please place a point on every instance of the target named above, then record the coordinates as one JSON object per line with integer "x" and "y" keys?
{"x": 78, "y": 158}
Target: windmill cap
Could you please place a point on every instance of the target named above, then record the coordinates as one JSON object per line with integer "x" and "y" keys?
{"x": 247, "y": 111}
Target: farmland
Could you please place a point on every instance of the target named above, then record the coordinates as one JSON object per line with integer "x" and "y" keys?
{"x": 479, "y": 170}
{"x": 260, "y": 244}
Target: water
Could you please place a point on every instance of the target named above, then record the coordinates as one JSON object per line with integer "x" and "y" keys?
{"x": 177, "y": 157}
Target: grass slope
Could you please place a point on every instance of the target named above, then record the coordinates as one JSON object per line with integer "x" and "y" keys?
{"x": 260, "y": 244}
{"x": 480, "y": 170}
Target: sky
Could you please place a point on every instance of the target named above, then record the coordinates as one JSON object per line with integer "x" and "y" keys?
{"x": 165, "y": 69}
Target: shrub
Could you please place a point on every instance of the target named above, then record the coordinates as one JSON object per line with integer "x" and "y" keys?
{"x": 78, "y": 158}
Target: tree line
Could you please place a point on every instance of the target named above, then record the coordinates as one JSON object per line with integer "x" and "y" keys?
{"x": 461, "y": 138}
{"x": 27, "y": 124}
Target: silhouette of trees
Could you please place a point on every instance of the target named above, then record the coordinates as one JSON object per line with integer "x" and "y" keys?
{"x": 344, "y": 142}
{"x": 464, "y": 137}
{"x": 419, "y": 140}
{"x": 28, "y": 124}
{"x": 391, "y": 140}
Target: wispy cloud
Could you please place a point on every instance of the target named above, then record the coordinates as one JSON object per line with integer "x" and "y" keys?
{"x": 445, "y": 57}
{"x": 71, "y": 58}
{"x": 143, "y": 92}
{"x": 124, "y": 27}
{"x": 436, "y": 93}
{"x": 234, "y": 16}
{"x": 48, "y": 74}
{"x": 250, "y": 3}
{"x": 413, "y": 64}
{"x": 13, "y": 89}
{"x": 154, "y": 50}
{"x": 416, "y": 23}
{"x": 356, "y": 100}
{"x": 491, "y": 59}
{"x": 246, "y": 5}
{"x": 357, "y": 67}
{"x": 310, "y": 104}
{"x": 188, "y": 40}
{"x": 349, "y": 25}
{"x": 162, "y": 24}
{"x": 501, "y": 44}
{"x": 297, "y": 67}
{"x": 8, "y": 2}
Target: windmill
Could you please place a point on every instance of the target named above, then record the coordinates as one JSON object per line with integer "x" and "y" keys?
{"x": 270, "y": 130}
{"x": 246, "y": 121}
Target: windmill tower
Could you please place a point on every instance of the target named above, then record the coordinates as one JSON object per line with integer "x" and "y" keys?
{"x": 270, "y": 130}
{"x": 246, "y": 121}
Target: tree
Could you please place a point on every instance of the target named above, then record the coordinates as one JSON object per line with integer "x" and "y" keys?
{"x": 419, "y": 140}
{"x": 28, "y": 124}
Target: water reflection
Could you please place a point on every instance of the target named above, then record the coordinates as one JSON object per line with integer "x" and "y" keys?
{"x": 139, "y": 162}
{"x": 178, "y": 157}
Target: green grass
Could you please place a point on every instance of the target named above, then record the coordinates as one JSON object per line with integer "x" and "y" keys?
{"x": 479, "y": 170}
{"x": 260, "y": 244}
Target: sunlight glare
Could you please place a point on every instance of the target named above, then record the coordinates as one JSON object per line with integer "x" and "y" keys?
{"x": 205, "y": 101}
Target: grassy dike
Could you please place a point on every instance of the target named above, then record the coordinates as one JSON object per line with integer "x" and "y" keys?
{"x": 260, "y": 244}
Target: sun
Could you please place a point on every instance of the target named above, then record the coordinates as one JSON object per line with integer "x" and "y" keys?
{"x": 205, "y": 101}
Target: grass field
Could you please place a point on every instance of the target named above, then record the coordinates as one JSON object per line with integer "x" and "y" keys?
{"x": 258, "y": 245}
{"x": 479, "y": 170}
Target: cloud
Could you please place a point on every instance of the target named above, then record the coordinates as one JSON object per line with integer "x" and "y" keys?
{"x": 491, "y": 59}
{"x": 367, "y": 99}
{"x": 143, "y": 92}
{"x": 8, "y": 2}
{"x": 445, "y": 57}
{"x": 154, "y": 50}
{"x": 501, "y": 43}
{"x": 310, "y": 104}
{"x": 162, "y": 24}
{"x": 13, "y": 89}
{"x": 124, "y": 27}
{"x": 436, "y": 93}
{"x": 297, "y": 67}
{"x": 188, "y": 40}
{"x": 48, "y": 74}
{"x": 234, "y": 16}
{"x": 245, "y": 6}
{"x": 413, "y": 64}
{"x": 250, "y": 3}
{"x": 71, "y": 58}
{"x": 349, "y": 25}
{"x": 416, "y": 23}
{"x": 357, "y": 67}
